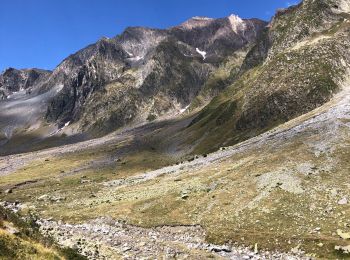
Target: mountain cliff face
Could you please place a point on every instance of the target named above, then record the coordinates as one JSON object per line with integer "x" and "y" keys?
{"x": 144, "y": 73}
{"x": 13, "y": 80}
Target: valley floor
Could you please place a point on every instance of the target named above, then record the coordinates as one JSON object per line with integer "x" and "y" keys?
{"x": 287, "y": 190}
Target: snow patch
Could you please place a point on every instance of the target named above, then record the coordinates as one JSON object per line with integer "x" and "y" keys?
{"x": 135, "y": 58}
{"x": 184, "y": 109}
{"x": 129, "y": 53}
{"x": 17, "y": 94}
{"x": 60, "y": 129}
{"x": 202, "y": 18}
{"x": 203, "y": 53}
{"x": 58, "y": 88}
{"x": 132, "y": 56}
{"x": 13, "y": 93}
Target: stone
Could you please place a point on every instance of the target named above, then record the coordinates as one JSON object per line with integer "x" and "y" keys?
{"x": 344, "y": 249}
{"x": 57, "y": 199}
{"x": 343, "y": 201}
{"x": 43, "y": 197}
{"x": 334, "y": 192}
{"x": 184, "y": 195}
{"x": 343, "y": 235}
{"x": 126, "y": 248}
{"x": 8, "y": 191}
{"x": 256, "y": 251}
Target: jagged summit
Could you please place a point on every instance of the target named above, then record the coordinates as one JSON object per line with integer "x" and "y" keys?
{"x": 237, "y": 23}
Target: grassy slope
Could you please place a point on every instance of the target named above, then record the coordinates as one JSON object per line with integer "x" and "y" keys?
{"x": 275, "y": 193}
{"x": 12, "y": 247}
{"x": 26, "y": 242}
{"x": 299, "y": 78}
{"x": 219, "y": 79}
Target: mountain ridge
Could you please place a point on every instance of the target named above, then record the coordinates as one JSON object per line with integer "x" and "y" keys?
{"x": 160, "y": 70}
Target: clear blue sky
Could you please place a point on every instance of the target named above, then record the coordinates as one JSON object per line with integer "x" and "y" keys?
{"x": 41, "y": 33}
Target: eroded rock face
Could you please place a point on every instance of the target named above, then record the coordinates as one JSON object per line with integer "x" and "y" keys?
{"x": 13, "y": 80}
{"x": 296, "y": 24}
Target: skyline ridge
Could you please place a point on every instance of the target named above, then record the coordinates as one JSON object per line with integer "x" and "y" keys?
{"x": 43, "y": 34}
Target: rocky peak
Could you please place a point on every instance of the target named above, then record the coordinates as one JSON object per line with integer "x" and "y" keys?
{"x": 298, "y": 63}
{"x": 137, "y": 42}
{"x": 238, "y": 25}
{"x": 196, "y": 22}
{"x": 218, "y": 37}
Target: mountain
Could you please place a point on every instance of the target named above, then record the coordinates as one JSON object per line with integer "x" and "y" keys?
{"x": 132, "y": 78}
{"x": 229, "y": 143}
{"x": 299, "y": 63}
{"x": 159, "y": 70}
{"x": 13, "y": 80}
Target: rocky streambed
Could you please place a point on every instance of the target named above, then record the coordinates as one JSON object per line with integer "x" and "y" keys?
{"x": 105, "y": 238}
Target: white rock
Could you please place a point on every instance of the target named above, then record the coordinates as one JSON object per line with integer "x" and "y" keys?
{"x": 343, "y": 201}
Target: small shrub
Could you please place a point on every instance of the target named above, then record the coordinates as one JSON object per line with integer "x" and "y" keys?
{"x": 151, "y": 117}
